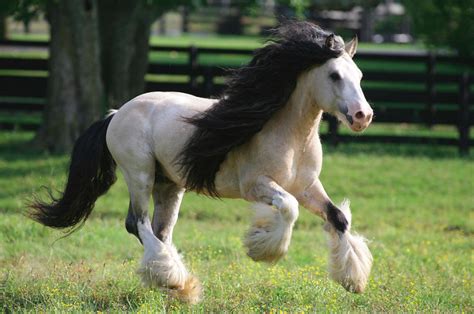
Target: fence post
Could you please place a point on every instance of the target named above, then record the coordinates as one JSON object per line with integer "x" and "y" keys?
{"x": 333, "y": 130}
{"x": 463, "y": 122}
{"x": 185, "y": 19}
{"x": 430, "y": 88}
{"x": 208, "y": 81}
{"x": 193, "y": 68}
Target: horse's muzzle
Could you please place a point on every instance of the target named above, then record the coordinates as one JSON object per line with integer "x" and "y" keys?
{"x": 361, "y": 119}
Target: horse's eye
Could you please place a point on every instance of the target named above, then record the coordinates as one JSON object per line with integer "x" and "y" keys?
{"x": 335, "y": 76}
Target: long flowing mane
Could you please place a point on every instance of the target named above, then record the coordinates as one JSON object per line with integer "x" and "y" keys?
{"x": 253, "y": 94}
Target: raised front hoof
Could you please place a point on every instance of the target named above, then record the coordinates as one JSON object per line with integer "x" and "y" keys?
{"x": 265, "y": 245}
{"x": 269, "y": 235}
{"x": 352, "y": 277}
{"x": 350, "y": 261}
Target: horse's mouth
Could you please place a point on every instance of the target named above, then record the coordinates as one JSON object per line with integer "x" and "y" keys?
{"x": 353, "y": 125}
{"x": 357, "y": 127}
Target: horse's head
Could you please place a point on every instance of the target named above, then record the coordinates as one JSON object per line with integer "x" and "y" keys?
{"x": 338, "y": 88}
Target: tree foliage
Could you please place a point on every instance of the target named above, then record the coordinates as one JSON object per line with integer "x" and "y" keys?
{"x": 8, "y": 7}
{"x": 444, "y": 23}
{"x": 22, "y": 10}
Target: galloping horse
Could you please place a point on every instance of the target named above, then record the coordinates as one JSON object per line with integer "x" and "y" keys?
{"x": 258, "y": 142}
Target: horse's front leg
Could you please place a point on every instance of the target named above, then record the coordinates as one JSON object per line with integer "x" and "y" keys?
{"x": 350, "y": 258}
{"x": 275, "y": 214}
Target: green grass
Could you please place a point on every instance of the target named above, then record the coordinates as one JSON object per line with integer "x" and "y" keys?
{"x": 414, "y": 203}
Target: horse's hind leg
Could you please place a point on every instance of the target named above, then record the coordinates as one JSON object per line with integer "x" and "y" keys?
{"x": 159, "y": 268}
{"x": 270, "y": 234}
{"x": 131, "y": 222}
{"x": 167, "y": 198}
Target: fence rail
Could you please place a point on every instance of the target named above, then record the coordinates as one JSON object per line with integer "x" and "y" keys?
{"x": 417, "y": 93}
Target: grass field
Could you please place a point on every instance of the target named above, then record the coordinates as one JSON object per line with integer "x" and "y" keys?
{"x": 414, "y": 203}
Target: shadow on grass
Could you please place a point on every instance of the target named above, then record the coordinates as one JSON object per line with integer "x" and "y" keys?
{"x": 19, "y": 146}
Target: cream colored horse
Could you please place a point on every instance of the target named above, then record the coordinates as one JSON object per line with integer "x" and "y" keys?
{"x": 277, "y": 169}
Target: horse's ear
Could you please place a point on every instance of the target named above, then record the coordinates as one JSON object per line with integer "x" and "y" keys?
{"x": 351, "y": 47}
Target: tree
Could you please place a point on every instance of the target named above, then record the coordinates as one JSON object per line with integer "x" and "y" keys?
{"x": 98, "y": 59}
{"x": 26, "y": 11}
{"x": 3, "y": 26}
{"x": 75, "y": 90}
{"x": 124, "y": 28}
{"x": 367, "y": 20}
{"x": 21, "y": 10}
{"x": 444, "y": 23}
{"x": 298, "y": 9}
{"x": 7, "y": 8}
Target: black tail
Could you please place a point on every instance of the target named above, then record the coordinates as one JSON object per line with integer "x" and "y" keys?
{"x": 91, "y": 173}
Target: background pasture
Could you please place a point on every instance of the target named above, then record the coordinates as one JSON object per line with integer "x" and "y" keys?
{"x": 414, "y": 203}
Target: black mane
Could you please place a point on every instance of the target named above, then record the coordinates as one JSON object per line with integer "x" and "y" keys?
{"x": 253, "y": 94}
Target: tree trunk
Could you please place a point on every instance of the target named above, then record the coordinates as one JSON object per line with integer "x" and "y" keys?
{"x": 367, "y": 24}
{"x": 3, "y": 27}
{"x": 26, "y": 26}
{"x": 98, "y": 60}
{"x": 185, "y": 19}
{"x": 75, "y": 90}
{"x": 125, "y": 33}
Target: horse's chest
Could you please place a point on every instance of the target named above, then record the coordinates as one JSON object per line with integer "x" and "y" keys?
{"x": 297, "y": 168}
{"x": 288, "y": 167}
{"x": 292, "y": 165}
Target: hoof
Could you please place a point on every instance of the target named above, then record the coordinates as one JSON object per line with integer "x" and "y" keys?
{"x": 351, "y": 263}
{"x": 191, "y": 292}
{"x": 354, "y": 287}
{"x": 269, "y": 236}
{"x": 164, "y": 270}
{"x": 350, "y": 260}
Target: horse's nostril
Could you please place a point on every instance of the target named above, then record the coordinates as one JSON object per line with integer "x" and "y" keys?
{"x": 369, "y": 117}
{"x": 359, "y": 115}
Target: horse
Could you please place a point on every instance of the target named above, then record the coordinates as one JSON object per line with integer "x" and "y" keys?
{"x": 259, "y": 141}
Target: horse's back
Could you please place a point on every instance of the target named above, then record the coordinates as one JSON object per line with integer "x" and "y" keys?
{"x": 152, "y": 125}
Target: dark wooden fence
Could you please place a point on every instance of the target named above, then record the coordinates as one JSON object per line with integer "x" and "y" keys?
{"x": 403, "y": 87}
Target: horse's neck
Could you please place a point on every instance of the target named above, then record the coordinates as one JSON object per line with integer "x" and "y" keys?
{"x": 300, "y": 117}
{"x": 285, "y": 143}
